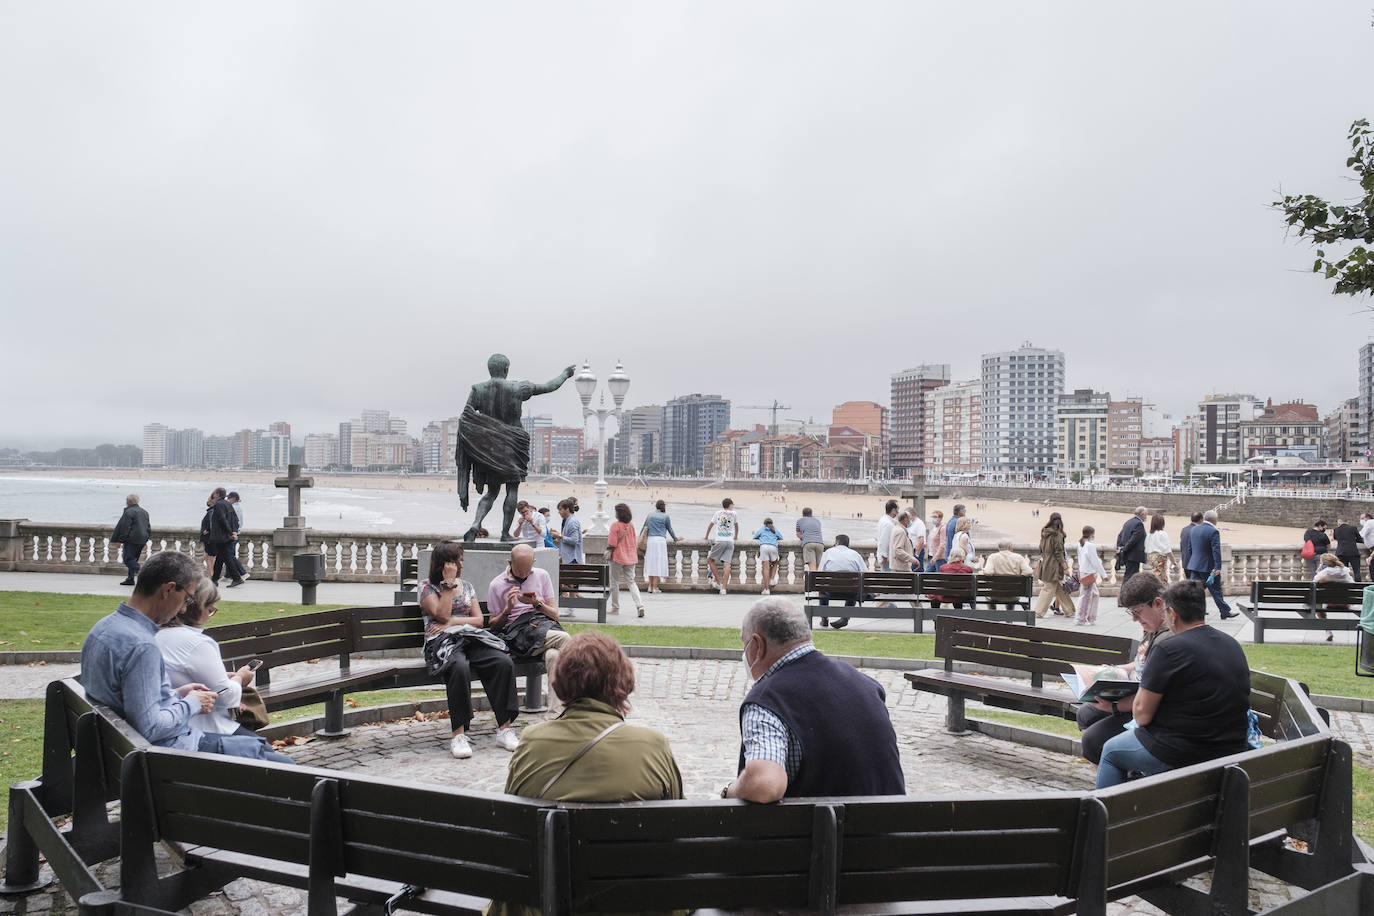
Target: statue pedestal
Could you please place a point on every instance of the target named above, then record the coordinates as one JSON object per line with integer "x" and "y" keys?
{"x": 485, "y": 560}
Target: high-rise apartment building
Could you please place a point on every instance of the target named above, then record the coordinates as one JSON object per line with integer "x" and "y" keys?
{"x": 431, "y": 447}
{"x": 1219, "y": 419}
{"x": 217, "y": 451}
{"x": 272, "y": 451}
{"x": 321, "y": 451}
{"x": 346, "y": 431}
{"x": 1185, "y": 436}
{"x": 1021, "y": 390}
{"x": 639, "y": 441}
{"x": 376, "y": 421}
{"x": 1125, "y": 430}
{"x": 907, "y": 417}
{"x": 280, "y": 428}
{"x": 1342, "y": 438}
{"x": 154, "y": 445}
{"x": 1364, "y": 435}
{"x": 557, "y": 449}
{"x": 953, "y": 429}
{"x": 1082, "y": 418}
{"x": 185, "y": 448}
{"x": 872, "y": 419}
{"x": 689, "y": 423}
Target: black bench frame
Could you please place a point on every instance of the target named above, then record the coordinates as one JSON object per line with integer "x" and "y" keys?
{"x": 1271, "y": 603}
{"x": 585, "y": 585}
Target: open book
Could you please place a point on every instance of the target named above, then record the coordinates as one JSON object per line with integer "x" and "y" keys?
{"x": 1088, "y": 683}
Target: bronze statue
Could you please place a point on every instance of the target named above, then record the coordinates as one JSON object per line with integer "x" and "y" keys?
{"x": 493, "y": 448}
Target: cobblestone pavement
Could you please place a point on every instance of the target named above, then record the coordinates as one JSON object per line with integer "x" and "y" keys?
{"x": 696, "y": 704}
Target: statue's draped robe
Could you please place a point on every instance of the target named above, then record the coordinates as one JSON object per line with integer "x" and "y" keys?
{"x": 490, "y": 453}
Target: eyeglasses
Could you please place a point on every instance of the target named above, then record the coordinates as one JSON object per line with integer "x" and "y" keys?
{"x": 211, "y": 611}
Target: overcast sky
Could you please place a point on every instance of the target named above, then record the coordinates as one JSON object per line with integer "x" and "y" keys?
{"x": 220, "y": 215}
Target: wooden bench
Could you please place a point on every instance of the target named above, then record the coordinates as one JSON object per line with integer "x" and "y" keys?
{"x": 1001, "y": 598}
{"x": 1271, "y": 604}
{"x": 585, "y": 585}
{"x": 1036, "y": 651}
{"x": 344, "y": 632}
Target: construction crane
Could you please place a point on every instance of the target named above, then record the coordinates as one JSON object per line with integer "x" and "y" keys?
{"x": 774, "y": 407}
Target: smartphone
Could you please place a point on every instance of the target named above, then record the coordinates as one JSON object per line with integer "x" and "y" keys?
{"x": 255, "y": 664}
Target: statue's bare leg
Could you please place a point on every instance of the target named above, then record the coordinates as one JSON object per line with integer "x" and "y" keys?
{"x": 483, "y": 507}
{"x": 508, "y": 509}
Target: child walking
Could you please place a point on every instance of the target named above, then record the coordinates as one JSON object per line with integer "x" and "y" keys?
{"x": 1090, "y": 573}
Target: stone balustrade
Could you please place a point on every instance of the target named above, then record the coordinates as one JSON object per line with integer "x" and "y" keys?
{"x": 368, "y": 557}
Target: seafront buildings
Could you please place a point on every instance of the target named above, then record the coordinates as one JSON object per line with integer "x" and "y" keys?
{"x": 1013, "y": 420}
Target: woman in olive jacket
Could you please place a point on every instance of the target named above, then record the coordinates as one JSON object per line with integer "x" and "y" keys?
{"x": 1052, "y": 569}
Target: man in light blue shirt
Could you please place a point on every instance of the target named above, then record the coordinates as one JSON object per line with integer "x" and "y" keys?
{"x": 122, "y": 667}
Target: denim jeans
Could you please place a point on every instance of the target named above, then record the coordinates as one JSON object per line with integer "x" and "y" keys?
{"x": 250, "y": 746}
{"x": 1123, "y": 754}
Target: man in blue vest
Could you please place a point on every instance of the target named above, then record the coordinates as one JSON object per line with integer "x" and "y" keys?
{"x": 810, "y": 726}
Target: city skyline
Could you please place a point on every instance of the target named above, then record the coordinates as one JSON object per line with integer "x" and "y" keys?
{"x": 202, "y": 226}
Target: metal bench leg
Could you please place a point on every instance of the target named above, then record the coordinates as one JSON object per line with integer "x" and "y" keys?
{"x": 534, "y": 693}
{"x": 21, "y": 853}
{"x": 1259, "y": 630}
{"x": 954, "y": 720}
{"x": 333, "y": 717}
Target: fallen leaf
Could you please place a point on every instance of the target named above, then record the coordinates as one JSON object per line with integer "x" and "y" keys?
{"x": 349, "y": 701}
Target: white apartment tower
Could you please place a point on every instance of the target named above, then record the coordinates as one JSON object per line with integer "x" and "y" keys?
{"x": 1021, "y": 391}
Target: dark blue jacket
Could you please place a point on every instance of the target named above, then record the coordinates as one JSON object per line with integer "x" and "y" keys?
{"x": 1130, "y": 543}
{"x": 1205, "y": 555}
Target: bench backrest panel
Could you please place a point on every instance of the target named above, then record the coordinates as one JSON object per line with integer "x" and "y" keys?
{"x": 1281, "y": 592}
{"x": 890, "y": 583}
{"x": 1285, "y": 712}
{"x": 397, "y": 626}
{"x": 948, "y": 848}
{"x": 1004, "y": 589}
{"x": 578, "y": 576}
{"x": 1161, "y": 823}
{"x": 1350, "y": 594}
{"x": 262, "y": 809}
{"x": 1286, "y": 782}
{"x": 948, "y": 585}
{"x": 1038, "y": 650}
{"x": 837, "y": 583}
{"x": 285, "y": 640}
{"x": 488, "y": 844}
{"x": 696, "y": 854}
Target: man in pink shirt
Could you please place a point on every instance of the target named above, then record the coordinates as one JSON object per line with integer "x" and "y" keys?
{"x": 524, "y": 609}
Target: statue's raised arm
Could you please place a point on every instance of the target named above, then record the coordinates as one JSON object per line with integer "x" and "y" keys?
{"x": 493, "y": 447}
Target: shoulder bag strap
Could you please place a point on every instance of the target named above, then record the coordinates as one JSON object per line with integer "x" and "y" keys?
{"x": 578, "y": 756}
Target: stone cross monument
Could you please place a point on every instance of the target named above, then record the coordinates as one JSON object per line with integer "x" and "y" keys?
{"x": 293, "y": 483}
{"x": 292, "y": 537}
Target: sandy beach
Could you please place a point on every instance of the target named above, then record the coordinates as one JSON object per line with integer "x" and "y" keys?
{"x": 995, "y": 518}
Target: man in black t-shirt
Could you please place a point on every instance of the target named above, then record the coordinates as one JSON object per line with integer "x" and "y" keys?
{"x": 1193, "y": 699}
{"x": 1347, "y": 538}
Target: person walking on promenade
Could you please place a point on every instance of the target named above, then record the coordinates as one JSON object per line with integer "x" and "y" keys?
{"x": 624, "y": 549}
{"x": 223, "y": 533}
{"x": 769, "y": 538}
{"x": 1367, "y": 538}
{"x": 1347, "y": 538}
{"x": 725, "y": 523}
{"x": 569, "y": 538}
{"x": 900, "y": 551}
{"x": 131, "y": 535}
{"x": 1130, "y": 544}
{"x": 1090, "y": 573}
{"x": 1321, "y": 543}
{"x": 800, "y": 741}
{"x": 1052, "y": 569}
{"x": 916, "y": 529}
{"x": 812, "y": 541}
{"x": 658, "y": 528}
{"x": 963, "y": 540}
{"x": 207, "y": 541}
{"x": 1159, "y": 553}
{"x": 884, "y": 535}
{"x": 935, "y": 547}
{"x": 1185, "y": 541}
{"x": 236, "y": 503}
{"x": 1204, "y": 560}
{"x": 952, "y": 526}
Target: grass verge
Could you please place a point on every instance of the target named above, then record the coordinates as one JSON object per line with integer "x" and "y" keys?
{"x": 21, "y": 744}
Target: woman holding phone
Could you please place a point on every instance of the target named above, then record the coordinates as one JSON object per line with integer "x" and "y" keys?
{"x": 191, "y": 656}
{"x": 456, "y": 647}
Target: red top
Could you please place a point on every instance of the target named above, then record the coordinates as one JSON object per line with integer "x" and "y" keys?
{"x": 622, "y": 542}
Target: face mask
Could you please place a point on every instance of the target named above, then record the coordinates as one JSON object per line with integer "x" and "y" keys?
{"x": 744, "y": 660}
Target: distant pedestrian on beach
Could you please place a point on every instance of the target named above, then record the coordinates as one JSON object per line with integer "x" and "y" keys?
{"x": 725, "y": 523}
{"x": 131, "y": 534}
{"x": 809, "y": 532}
{"x": 658, "y": 527}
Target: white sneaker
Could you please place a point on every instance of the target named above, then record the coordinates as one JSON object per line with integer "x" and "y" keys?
{"x": 722, "y": 591}
{"x": 764, "y": 592}
{"x": 774, "y": 582}
{"x": 459, "y": 747}
{"x": 508, "y": 738}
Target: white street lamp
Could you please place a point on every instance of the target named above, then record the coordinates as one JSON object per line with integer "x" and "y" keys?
{"x": 619, "y": 383}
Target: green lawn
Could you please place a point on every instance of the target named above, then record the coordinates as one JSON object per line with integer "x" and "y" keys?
{"x": 21, "y": 744}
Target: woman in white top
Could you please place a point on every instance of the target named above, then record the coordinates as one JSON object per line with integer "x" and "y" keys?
{"x": 1159, "y": 553}
{"x": 1089, "y": 565}
{"x": 1331, "y": 569}
{"x": 191, "y": 656}
{"x": 963, "y": 540}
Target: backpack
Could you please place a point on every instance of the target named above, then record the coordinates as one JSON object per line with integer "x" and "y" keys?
{"x": 1308, "y": 550}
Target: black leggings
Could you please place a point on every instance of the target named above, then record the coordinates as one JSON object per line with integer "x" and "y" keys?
{"x": 1097, "y": 726}
{"x": 494, "y": 669}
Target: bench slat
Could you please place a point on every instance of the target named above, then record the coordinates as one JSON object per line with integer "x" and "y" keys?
{"x": 658, "y": 821}
{"x": 1012, "y": 879}
{"x": 1037, "y": 649}
{"x": 786, "y": 892}
{"x": 1010, "y": 812}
